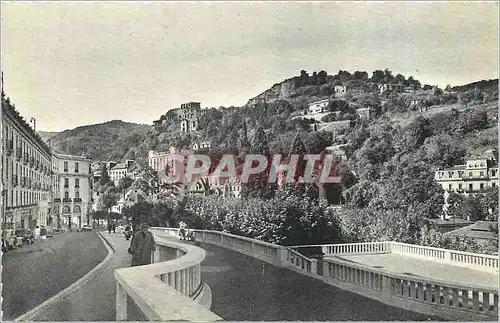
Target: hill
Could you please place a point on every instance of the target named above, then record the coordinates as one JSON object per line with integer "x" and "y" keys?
{"x": 113, "y": 140}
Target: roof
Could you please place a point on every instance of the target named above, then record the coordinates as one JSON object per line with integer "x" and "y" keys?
{"x": 478, "y": 230}
{"x": 442, "y": 222}
{"x": 118, "y": 166}
{"x": 324, "y": 100}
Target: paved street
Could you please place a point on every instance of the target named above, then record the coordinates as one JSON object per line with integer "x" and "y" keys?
{"x": 245, "y": 288}
{"x": 95, "y": 300}
{"x": 34, "y": 273}
{"x": 425, "y": 268}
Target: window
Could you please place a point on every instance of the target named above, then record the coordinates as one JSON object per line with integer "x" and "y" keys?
{"x": 460, "y": 174}
{"x": 470, "y": 174}
{"x": 449, "y": 187}
{"x": 77, "y": 194}
{"x": 481, "y": 174}
{"x": 76, "y": 209}
{"x": 493, "y": 184}
{"x": 76, "y": 167}
{"x": 66, "y": 195}
{"x": 65, "y": 166}
{"x": 66, "y": 183}
{"x": 450, "y": 174}
{"x": 66, "y": 209}
{"x": 470, "y": 187}
{"x": 460, "y": 186}
{"x": 77, "y": 183}
{"x": 481, "y": 186}
{"x": 493, "y": 172}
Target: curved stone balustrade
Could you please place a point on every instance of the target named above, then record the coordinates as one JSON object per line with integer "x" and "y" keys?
{"x": 165, "y": 290}
{"x": 418, "y": 294}
{"x": 429, "y": 296}
{"x": 477, "y": 261}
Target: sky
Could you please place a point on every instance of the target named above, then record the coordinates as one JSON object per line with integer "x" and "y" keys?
{"x": 69, "y": 64}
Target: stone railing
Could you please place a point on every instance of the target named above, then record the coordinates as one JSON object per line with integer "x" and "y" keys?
{"x": 300, "y": 261}
{"x": 457, "y": 258}
{"x": 166, "y": 290}
{"x": 361, "y": 248}
{"x": 275, "y": 254}
{"x": 423, "y": 295}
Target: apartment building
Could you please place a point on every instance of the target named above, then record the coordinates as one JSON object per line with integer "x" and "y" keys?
{"x": 25, "y": 175}
{"x": 117, "y": 171}
{"x": 72, "y": 190}
{"x": 476, "y": 176}
{"x": 163, "y": 162}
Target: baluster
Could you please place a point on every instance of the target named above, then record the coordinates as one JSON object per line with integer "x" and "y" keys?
{"x": 420, "y": 291}
{"x": 186, "y": 281}
{"x": 494, "y": 307}
{"x": 177, "y": 278}
{"x": 455, "y": 298}
{"x": 475, "y": 300}
{"x": 466, "y": 302}
{"x": 427, "y": 292}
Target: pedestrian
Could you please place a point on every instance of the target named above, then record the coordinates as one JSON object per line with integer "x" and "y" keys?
{"x": 114, "y": 227}
{"x": 142, "y": 246}
{"x": 36, "y": 233}
{"x": 182, "y": 230}
{"x": 109, "y": 228}
{"x": 43, "y": 233}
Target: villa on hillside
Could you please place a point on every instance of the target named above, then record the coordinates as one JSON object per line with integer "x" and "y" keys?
{"x": 395, "y": 88}
{"x": 189, "y": 115}
{"x": 475, "y": 177}
{"x": 318, "y": 106}
{"x": 201, "y": 146}
{"x": 340, "y": 90}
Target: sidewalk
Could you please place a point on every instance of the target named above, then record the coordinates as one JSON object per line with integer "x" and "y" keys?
{"x": 95, "y": 300}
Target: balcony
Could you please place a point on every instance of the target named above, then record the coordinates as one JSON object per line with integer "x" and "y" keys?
{"x": 77, "y": 199}
{"x": 66, "y": 199}
{"x": 57, "y": 200}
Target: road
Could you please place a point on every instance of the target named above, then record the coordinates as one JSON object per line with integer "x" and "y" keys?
{"x": 34, "y": 273}
{"x": 247, "y": 289}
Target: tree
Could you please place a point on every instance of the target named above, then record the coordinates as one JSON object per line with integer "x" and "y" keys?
{"x": 104, "y": 180}
{"x": 260, "y": 144}
{"x": 108, "y": 199}
{"x": 124, "y": 183}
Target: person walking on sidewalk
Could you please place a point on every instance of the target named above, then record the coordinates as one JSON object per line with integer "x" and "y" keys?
{"x": 142, "y": 246}
{"x": 114, "y": 227}
{"x": 109, "y": 228}
{"x": 36, "y": 233}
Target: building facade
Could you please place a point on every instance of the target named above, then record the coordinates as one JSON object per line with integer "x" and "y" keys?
{"x": 340, "y": 90}
{"x": 474, "y": 177}
{"x": 190, "y": 114}
{"x": 26, "y": 169}
{"x": 72, "y": 190}
{"x": 118, "y": 171}
{"x": 318, "y": 106}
